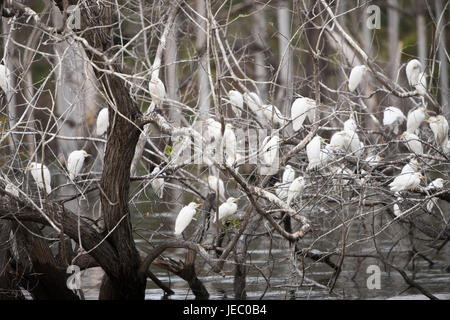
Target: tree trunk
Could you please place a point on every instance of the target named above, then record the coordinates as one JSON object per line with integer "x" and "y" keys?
{"x": 421, "y": 31}
{"x": 442, "y": 56}
{"x": 203, "y": 84}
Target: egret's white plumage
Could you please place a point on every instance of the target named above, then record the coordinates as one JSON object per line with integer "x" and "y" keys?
{"x": 38, "y": 170}
{"x": 415, "y": 118}
{"x": 236, "y": 101}
{"x": 439, "y": 127}
{"x": 12, "y": 189}
{"x": 4, "y": 78}
{"x": 253, "y": 101}
{"x": 213, "y": 130}
{"x": 278, "y": 118}
{"x": 295, "y": 189}
{"x": 412, "y": 142}
{"x": 281, "y": 190}
{"x": 185, "y": 217}
{"x": 300, "y": 109}
{"x": 230, "y": 142}
{"x": 421, "y": 86}
{"x": 436, "y": 184}
{"x": 394, "y": 117}
{"x": 75, "y": 162}
{"x": 355, "y": 77}
{"x": 374, "y": 160}
{"x": 270, "y": 149}
{"x": 102, "y": 121}
{"x": 313, "y": 152}
{"x": 158, "y": 183}
{"x": 288, "y": 174}
{"x": 157, "y": 89}
{"x": 350, "y": 124}
{"x": 413, "y": 70}
{"x": 226, "y": 209}
{"x": 406, "y": 181}
{"x": 213, "y": 182}
{"x": 397, "y": 211}
{"x": 412, "y": 166}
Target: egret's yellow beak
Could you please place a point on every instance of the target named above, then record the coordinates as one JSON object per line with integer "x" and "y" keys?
{"x": 324, "y": 139}
{"x": 421, "y": 176}
{"x": 381, "y": 158}
{"x": 27, "y": 168}
{"x": 237, "y": 199}
{"x": 311, "y": 100}
{"x": 88, "y": 155}
{"x": 281, "y": 139}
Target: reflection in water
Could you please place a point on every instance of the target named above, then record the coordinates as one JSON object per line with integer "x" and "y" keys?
{"x": 271, "y": 261}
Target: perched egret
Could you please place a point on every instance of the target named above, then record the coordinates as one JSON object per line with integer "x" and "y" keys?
{"x": 278, "y": 118}
{"x": 300, "y": 109}
{"x": 185, "y": 217}
{"x": 412, "y": 166}
{"x": 226, "y": 209}
{"x": 230, "y": 142}
{"x": 38, "y": 170}
{"x": 313, "y": 152}
{"x": 213, "y": 130}
{"x": 346, "y": 141}
{"x": 421, "y": 86}
{"x": 281, "y": 190}
{"x": 213, "y": 182}
{"x": 374, "y": 160}
{"x": 394, "y": 117}
{"x": 157, "y": 89}
{"x": 406, "y": 181}
{"x": 439, "y": 127}
{"x": 236, "y": 101}
{"x": 158, "y": 183}
{"x": 253, "y": 101}
{"x": 12, "y": 189}
{"x": 296, "y": 187}
{"x": 270, "y": 149}
{"x": 339, "y": 141}
{"x": 413, "y": 71}
{"x": 415, "y": 118}
{"x": 75, "y": 162}
{"x": 436, "y": 184}
{"x": 412, "y": 142}
{"x": 350, "y": 124}
{"x": 288, "y": 174}
{"x": 4, "y": 78}
{"x": 356, "y": 76}
{"x": 102, "y": 121}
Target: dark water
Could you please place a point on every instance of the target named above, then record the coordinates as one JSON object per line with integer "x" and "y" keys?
{"x": 272, "y": 259}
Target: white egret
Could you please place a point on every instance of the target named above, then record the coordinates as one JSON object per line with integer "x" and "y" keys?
{"x": 270, "y": 149}
{"x": 102, "y": 121}
{"x": 38, "y": 170}
{"x": 394, "y": 117}
{"x": 439, "y": 127}
{"x": 413, "y": 71}
{"x": 12, "y": 189}
{"x": 436, "y": 184}
{"x": 236, "y": 101}
{"x": 230, "y": 142}
{"x": 295, "y": 189}
{"x": 313, "y": 152}
{"x": 421, "y": 86}
{"x": 412, "y": 166}
{"x": 157, "y": 89}
{"x": 406, "y": 181}
{"x": 281, "y": 190}
{"x": 213, "y": 130}
{"x": 339, "y": 141}
{"x": 4, "y": 78}
{"x": 278, "y": 118}
{"x": 185, "y": 217}
{"x": 415, "y": 118}
{"x": 288, "y": 174}
{"x": 346, "y": 141}
{"x": 226, "y": 209}
{"x": 350, "y": 124}
{"x": 374, "y": 160}
{"x": 75, "y": 162}
{"x": 215, "y": 182}
{"x": 355, "y": 77}
{"x": 300, "y": 109}
{"x": 412, "y": 142}
{"x": 158, "y": 183}
{"x": 253, "y": 101}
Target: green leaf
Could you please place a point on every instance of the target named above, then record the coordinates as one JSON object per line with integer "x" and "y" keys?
{"x": 168, "y": 150}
